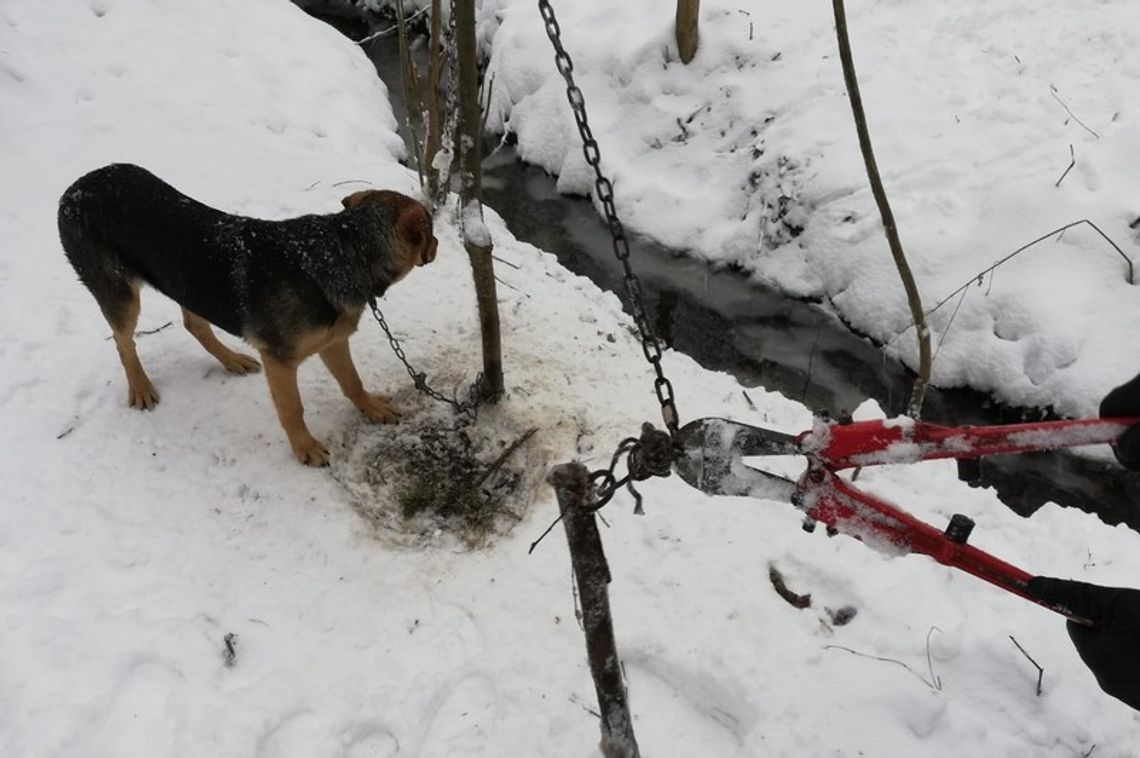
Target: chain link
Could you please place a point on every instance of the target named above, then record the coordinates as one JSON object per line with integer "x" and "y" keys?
{"x": 604, "y": 191}
{"x": 476, "y": 396}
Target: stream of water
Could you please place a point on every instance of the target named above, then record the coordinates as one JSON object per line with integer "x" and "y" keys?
{"x": 764, "y": 338}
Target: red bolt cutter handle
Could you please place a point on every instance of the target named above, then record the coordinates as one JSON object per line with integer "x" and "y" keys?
{"x": 869, "y": 443}
{"x": 712, "y": 461}
{"x": 828, "y": 499}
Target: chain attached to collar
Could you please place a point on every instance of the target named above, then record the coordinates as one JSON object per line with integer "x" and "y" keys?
{"x": 477, "y": 395}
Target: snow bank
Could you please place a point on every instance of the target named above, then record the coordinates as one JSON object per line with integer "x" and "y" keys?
{"x": 748, "y": 156}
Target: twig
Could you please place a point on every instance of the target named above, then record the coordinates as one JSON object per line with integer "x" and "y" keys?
{"x": 542, "y": 536}
{"x": 751, "y": 405}
{"x": 1070, "y": 112}
{"x": 930, "y": 660}
{"x": 810, "y": 366}
{"x": 978, "y": 276}
{"x": 1090, "y": 751}
{"x": 350, "y": 181}
{"x": 390, "y": 29}
{"x": 145, "y": 332}
{"x": 486, "y": 106}
{"x": 914, "y": 673}
{"x": 506, "y": 262}
{"x": 498, "y": 463}
{"x": 794, "y": 599}
{"x": 67, "y": 431}
{"x": 946, "y": 330}
{"x": 510, "y": 286}
{"x": 1072, "y": 162}
{"x": 574, "y": 699}
{"x": 376, "y": 35}
{"x": 1040, "y": 671}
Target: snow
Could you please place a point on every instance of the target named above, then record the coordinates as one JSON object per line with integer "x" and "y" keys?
{"x": 748, "y": 156}
{"x": 475, "y": 232}
{"x": 132, "y": 543}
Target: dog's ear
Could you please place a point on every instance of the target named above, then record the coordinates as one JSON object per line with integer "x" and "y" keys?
{"x": 356, "y": 198}
{"x": 414, "y": 226}
{"x": 413, "y": 222}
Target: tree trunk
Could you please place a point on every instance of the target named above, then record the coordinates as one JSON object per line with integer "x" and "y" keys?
{"x": 412, "y": 100}
{"x": 687, "y": 13}
{"x": 434, "y": 121}
{"x": 477, "y": 242}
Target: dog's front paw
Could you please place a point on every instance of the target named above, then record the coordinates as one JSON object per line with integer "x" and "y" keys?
{"x": 240, "y": 363}
{"x": 379, "y": 408}
{"x": 311, "y": 452}
{"x": 142, "y": 395}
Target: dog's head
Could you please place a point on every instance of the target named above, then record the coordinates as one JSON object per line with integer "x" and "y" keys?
{"x": 414, "y": 243}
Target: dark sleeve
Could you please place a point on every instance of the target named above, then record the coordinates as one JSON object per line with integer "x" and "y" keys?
{"x": 1125, "y": 401}
{"x": 1111, "y": 648}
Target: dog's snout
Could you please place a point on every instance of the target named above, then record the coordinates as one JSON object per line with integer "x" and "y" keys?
{"x": 429, "y": 252}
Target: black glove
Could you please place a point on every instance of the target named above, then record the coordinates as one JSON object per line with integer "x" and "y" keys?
{"x": 1111, "y": 649}
{"x": 1125, "y": 401}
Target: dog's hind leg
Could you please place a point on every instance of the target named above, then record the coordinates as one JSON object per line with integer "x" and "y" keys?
{"x": 116, "y": 289}
{"x": 123, "y": 315}
{"x": 287, "y": 399}
{"x": 338, "y": 360}
{"x": 234, "y": 362}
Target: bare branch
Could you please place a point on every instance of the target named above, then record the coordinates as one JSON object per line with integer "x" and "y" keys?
{"x": 895, "y": 661}
{"x": 930, "y": 659}
{"x": 1072, "y": 162}
{"x": 914, "y": 408}
{"x": 1040, "y": 671}
{"x": 1070, "y": 112}
{"x": 978, "y": 276}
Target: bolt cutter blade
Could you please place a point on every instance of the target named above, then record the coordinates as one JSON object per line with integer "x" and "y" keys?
{"x": 713, "y": 452}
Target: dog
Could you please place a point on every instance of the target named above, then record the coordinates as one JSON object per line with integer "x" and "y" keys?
{"x": 289, "y": 288}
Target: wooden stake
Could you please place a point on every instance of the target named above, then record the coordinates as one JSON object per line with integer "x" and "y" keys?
{"x": 592, "y": 574}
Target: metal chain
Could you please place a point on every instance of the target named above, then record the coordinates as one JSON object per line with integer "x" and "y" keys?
{"x": 605, "y": 193}
{"x": 476, "y": 396}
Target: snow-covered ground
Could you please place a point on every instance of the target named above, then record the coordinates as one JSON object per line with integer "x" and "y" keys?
{"x": 969, "y": 107}
{"x": 132, "y": 543}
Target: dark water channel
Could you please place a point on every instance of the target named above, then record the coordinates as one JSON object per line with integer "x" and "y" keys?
{"x": 764, "y": 338}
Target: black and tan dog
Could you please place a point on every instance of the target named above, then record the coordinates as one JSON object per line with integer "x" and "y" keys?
{"x": 290, "y": 288}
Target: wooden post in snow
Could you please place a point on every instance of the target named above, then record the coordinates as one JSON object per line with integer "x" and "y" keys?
{"x": 470, "y": 196}
{"x": 688, "y": 12}
{"x": 592, "y": 574}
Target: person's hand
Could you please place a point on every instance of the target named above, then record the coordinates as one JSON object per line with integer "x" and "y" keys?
{"x": 1125, "y": 401}
{"x": 1111, "y": 648}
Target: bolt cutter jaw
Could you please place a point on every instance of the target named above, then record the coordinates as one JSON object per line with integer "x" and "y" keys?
{"x": 712, "y": 452}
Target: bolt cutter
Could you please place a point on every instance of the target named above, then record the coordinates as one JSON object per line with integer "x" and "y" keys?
{"x": 711, "y": 459}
